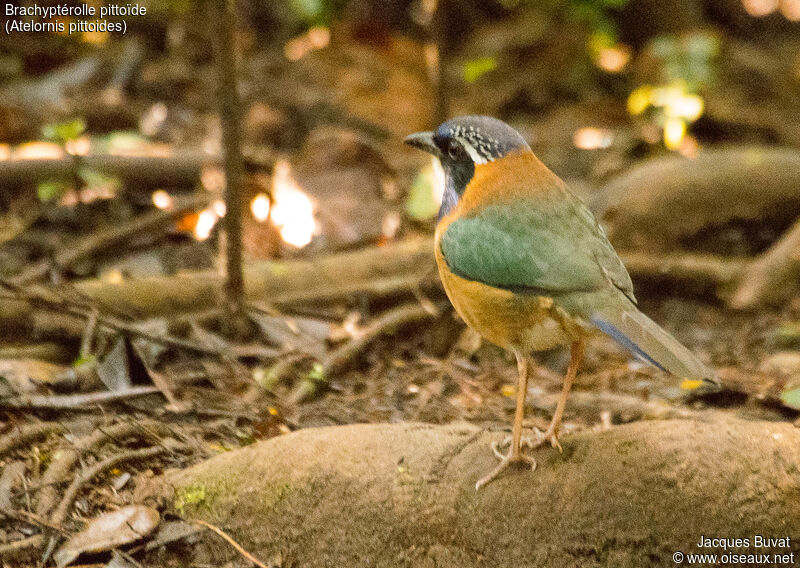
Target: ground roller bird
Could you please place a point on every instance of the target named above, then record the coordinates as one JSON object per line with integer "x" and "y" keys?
{"x": 527, "y": 266}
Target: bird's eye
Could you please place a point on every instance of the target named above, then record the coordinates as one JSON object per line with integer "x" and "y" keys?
{"x": 454, "y": 150}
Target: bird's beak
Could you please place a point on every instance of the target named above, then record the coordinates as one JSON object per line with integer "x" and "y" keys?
{"x": 423, "y": 141}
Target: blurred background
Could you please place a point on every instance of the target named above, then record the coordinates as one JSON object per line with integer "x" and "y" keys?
{"x": 677, "y": 121}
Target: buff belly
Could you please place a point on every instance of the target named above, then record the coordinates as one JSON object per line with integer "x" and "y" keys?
{"x": 511, "y": 320}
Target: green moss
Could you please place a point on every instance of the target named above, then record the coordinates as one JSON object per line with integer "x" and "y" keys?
{"x": 190, "y": 495}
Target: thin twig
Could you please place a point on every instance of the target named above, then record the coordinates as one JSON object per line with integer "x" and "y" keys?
{"x": 385, "y": 323}
{"x": 111, "y": 322}
{"x": 65, "y": 459}
{"x": 75, "y": 401}
{"x": 22, "y": 435}
{"x": 337, "y": 359}
{"x": 13, "y": 548}
{"x": 60, "y": 514}
{"x": 233, "y": 543}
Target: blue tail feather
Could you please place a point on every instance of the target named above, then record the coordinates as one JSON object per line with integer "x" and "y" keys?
{"x": 612, "y": 331}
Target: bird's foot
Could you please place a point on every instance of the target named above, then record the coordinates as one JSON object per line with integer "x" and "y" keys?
{"x": 503, "y": 465}
{"x": 513, "y": 457}
{"x": 525, "y": 442}
{"x": 550, "y": 436}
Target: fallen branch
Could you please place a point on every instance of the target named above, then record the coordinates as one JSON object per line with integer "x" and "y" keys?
{"x": 657, "y": 203}
{"x": 391, "y": 270}
{"x": 144, "y": 172}
{"x": 387, "y": 322}
{"x": 74, "y": 401}
{"x": 97, "y": 242}
{"x": 715, "y": 271}
{"x": 21, "y": 435}
{"x": 39, "y": 299}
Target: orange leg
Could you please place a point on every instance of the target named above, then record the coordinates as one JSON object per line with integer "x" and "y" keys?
{"x": 555, "y": 423}
{"x": 515, "y": 453}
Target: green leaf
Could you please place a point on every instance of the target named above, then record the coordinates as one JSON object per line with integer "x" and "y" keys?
{"x": 475, "y": 68}
{"x": 317, "y": 373}
{"x": 64, "y": 131}
{"x": 51, "y": 190}
{"x": 664, "y": 47}
{"x": 421, "y": 203}
{"x": 311, "y": 11}
{"x": 94, "y": 178}
{"x": 702, "y": 45}
{"x": 791, "y": 398}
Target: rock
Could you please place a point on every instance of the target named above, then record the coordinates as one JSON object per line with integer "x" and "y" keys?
{"x": 403, "y": 494}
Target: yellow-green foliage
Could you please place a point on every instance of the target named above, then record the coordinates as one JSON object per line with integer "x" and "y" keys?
{"x": 191, "y": 495}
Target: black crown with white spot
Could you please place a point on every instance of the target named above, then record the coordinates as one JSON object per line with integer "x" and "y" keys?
{"x": 485, "y": 138}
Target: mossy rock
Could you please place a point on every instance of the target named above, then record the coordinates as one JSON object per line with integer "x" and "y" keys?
{"x": 404, "y": 495}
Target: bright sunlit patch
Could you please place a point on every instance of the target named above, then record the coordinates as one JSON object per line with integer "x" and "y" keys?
{"x": 508, "y": 391}
{"x": 5, "y": 152}
{"x": 219, "y": 208}
{"x": 317, "y": 37}
{"x": 686, "y": 106}
{"x": 293, "y": 211}
{"x": 674, "y": 131}
{"x": 791, "y": 10}
{"x": 114, "y": 276}
{"x": 79, "y": 146}
{"x": 590, "y": 138}
{"x": 760, "y": 8}
{"x": 613, "y": 59}
{"x": 212, "y": 178}
{"x": 162, "y": 199}
{"x": 131, "y": 144}
{"x": 38, "y": 151}
{"x": 639, "y": 99}
{"x": 259, "y": 207}
{"x": 153, "y": 119}
{"x": 689, "y": 146}
{"x": 675, "y": 106}
{"x": 391, "y": 224}
{"x": 205, "y": 223}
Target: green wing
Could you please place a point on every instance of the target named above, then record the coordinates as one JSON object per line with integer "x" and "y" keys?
{"x": 552, "y": 245}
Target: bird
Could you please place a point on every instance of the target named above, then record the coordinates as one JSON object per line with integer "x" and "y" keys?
{"x": 525, "y": 263}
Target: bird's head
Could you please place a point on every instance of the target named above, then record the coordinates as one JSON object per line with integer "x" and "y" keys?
{"x": 462, "y": 143}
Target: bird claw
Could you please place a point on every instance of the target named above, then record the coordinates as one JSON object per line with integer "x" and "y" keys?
{"x": 503, "y": 465}
{"x": 525, "y": 442}
{"x": 530, "y": 443}
{"x": 550, "y": 436}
